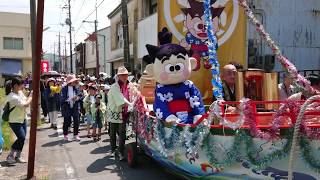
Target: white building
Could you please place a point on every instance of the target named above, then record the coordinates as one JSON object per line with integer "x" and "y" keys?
{"x": 104, "y": 44}
{"x": 15, "y": 45}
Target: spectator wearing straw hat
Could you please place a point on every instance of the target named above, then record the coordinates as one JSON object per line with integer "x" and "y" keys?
{"x": 117, "y": 110}
{"x": 70, "y": 100}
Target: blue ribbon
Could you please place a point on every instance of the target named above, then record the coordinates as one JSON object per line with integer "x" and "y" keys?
{"x": 213, "y": 59}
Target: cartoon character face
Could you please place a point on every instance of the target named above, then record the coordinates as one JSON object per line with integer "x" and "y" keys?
{"x": 195, "y": 19}
{"x": 196, "y": 26}
{"x": 172, "y": 67}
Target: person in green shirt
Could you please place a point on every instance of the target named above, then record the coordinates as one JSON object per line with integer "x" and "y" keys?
{"x": 98, "y": 110}
{"x": 87, "y": 102}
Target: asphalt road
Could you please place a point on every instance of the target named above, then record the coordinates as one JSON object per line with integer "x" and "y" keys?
{"x": 88, "y": 159}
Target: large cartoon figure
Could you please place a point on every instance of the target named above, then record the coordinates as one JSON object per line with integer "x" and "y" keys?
{"x": 176, "y": 98}
{"x": 196, "y": 36}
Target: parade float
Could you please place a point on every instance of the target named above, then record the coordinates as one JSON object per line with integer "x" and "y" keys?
{"x": 264, "y": 139}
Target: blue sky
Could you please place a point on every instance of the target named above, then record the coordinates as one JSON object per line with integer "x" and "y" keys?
{"x": 54, "y": 15}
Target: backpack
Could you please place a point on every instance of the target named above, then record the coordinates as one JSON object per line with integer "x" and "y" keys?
{"x": 6, "y": 112}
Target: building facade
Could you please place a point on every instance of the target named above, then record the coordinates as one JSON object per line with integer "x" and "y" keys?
{"x": 15, "y": 45}
{"x": 116, "y": 57}
{"x": 80, "y": 51}
{"x": 104, "y": 45}
{"x": 294, "y": 26}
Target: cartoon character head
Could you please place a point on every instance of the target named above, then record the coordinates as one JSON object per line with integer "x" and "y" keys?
{"x": 171, "y": 63}
{"x": 195, "y": 20}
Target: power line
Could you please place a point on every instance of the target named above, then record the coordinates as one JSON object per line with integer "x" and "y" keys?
{"x": 77, "y": 16}
{"x": 88, "y": 16}
{"x": 93, "y": 10}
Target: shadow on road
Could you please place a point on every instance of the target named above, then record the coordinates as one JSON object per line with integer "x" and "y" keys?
{"x": 53, "y": 135}
{"x": 101, "y": 150}
{"x": 55, "y": 143}
{"x": 101, "y": 165}
{"x": 86, "y": 142}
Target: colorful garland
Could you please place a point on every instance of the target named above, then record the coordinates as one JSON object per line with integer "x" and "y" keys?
{"x": 249, "y": 118}
{"x": 193, "y": 140}
{"x": 240, "y": 138}
{"x": 216, "y": 112}
{"x": 262, "y": 162}
{"x": 306, "y": 150}
{"x": 286, "y": 64}
{"x": 213, "y": 59}
{"x": 169, "y": 143}
{"x": 208, "y": 145}
{"x": 311, "y": 133}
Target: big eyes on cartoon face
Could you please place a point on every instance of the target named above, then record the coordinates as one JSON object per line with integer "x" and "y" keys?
{"x": 179, "y": 67}
{"x": 169, "y": 68}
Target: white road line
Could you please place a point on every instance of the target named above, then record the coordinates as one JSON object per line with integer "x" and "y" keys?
{"x": 69, "y": 171}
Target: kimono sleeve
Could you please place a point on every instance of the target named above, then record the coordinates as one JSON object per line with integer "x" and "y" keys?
{"x": 196, "y": 101}
{"x": 160, "y": 106}
{"x": 117, "y": 96}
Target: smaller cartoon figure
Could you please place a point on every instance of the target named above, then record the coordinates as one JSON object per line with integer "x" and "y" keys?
{"x": 176, "y": 98}
{"x": 196, "y": 37}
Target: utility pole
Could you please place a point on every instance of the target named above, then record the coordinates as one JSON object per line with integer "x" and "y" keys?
{"x": 126, "y": 50}
{"x": 54, "y": 55}
{"x": 59, "y": 52}
{"x": 97, "y": 45}
{"x": 65, "y": 55}
{"x": 36, "y": 20}
{"x": 69, "y": 22}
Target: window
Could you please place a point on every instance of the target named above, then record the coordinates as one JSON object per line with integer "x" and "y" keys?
{"x": 10, "y": 66}
{"x": 153, "y": 6}
{"x": 92, "y": 47}
{"x": 13, "y": 43}
{"x": 119, "y": 34}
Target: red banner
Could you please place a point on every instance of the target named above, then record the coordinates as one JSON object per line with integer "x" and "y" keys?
{"x": 44, "y": 66}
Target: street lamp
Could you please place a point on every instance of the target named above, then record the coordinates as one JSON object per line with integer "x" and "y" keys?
{"x": 46, "y": 28}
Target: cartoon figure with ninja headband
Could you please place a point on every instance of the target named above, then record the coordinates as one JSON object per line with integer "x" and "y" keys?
{"x": 196, "y": 37}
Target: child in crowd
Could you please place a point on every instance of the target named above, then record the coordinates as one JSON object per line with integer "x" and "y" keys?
{"x": 105, "y": 100}
{"x": 98, "y": 110}
{"x": 87, "y": 102}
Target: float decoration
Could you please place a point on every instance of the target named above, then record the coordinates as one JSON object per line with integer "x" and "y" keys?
{"x": 213, "y": 59}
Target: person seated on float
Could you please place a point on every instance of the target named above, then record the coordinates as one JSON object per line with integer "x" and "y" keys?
{"x": 314, "y": 82}
{"x": 228, "y": 77}
{"x": 285, "y": 89}
{"x": 315, "y": 106}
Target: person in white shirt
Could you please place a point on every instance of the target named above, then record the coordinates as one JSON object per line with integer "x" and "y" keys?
{"x": 19, "y": 103}
{"x": 285, "y": 89}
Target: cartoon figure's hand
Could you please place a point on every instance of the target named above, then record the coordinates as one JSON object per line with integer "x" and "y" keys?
{"x": 172, "y": 118}
{"x": 184, "y": 43}
{"x": 196, "y": 118}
